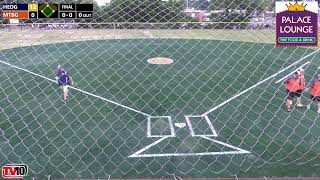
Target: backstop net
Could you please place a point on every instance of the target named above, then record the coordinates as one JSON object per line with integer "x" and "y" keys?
{"x": 160, "y": 89}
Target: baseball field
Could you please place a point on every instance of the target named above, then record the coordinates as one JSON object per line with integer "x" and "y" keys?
{"x": 216, "y": 111}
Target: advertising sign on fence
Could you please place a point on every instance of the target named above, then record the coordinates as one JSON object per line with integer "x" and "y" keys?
{"x": 296, "y": 23}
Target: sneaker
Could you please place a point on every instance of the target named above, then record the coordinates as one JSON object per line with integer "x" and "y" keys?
{"x": 299, "y": 105}
{"x": 289, "y": 109}
{"x": 308, "y": 106}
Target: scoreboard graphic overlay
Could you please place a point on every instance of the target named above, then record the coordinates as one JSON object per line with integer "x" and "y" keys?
{"x": 39, "y": 11}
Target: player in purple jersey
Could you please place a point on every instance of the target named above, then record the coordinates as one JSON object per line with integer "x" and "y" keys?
{"x": 59, "y": 71}
{"x": 65, "y": 80}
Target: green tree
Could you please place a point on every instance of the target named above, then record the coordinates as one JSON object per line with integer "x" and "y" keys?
{"x": 199, "y": 4}
{"x": 250, "y": 5}
{"x": 237, "y": 10}
{"x": 145, "y": 11}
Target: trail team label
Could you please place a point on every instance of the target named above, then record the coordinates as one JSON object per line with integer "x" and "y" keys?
{"x": 296, "y": 23}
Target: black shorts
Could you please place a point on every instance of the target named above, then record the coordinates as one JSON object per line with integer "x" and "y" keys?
{"x": 313, "y": 98}
{"x": 291, "y": 95}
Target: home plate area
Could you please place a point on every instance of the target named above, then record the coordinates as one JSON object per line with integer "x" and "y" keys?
{"x": 195, "y": 137}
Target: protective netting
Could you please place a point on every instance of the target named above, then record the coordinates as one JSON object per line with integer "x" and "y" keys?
{"x": 210, "y": 109}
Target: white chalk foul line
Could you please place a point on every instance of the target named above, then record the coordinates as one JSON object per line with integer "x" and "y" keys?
{"x": 267, "y": 79}
{"x": 77, "y": 89}
{"x": 102, "y": 98}
{"x": 25, "y": 70}
{"x": 137, "y": 154}
{"x": 238, "y": 150}
{"x": 280, "y": 80}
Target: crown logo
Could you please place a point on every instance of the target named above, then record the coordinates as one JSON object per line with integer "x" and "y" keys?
{"x": 296, "y": 7}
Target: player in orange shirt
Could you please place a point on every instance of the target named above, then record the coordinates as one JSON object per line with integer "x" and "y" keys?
{"x": 315, "y": 92}
{"x": 292, "y": 84}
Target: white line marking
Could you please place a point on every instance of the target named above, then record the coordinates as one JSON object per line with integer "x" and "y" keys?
{"x": 280, "y": 80}
{"x": 189, "y": 154}
{"x": 190, "y": 126}
{"x": 147, "y": 147}
{"x": 270, "y": 77}
{"x": 27, "y": 71}
{"x": 160, "y": 136}
{"x": 211, "y": 126}
{"x": 180, "y": 125}
{"x": 225, "y": 144}
{"x": 214, "y": 133}
{"x": 149, "y": 127}
{"x": 85, "y": 92}
{"x": 239, "y": 150}
{"x": 172, "y": 133}
{"x": 102, "y": 98}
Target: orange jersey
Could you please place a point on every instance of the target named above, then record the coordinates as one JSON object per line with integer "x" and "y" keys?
{"x": 315, "y": 91}
{"x": 293, "y": 85}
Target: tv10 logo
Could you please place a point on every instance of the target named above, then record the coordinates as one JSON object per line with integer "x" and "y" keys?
{"x": 14, "y": 171}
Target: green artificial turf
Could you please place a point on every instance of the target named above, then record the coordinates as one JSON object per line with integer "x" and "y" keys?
{"x": 88, "y": 137}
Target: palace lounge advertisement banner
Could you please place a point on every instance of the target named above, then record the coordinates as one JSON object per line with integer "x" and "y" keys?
{"x": 296, "y": 23}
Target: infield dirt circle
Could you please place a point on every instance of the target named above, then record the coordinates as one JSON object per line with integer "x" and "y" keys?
{"x": 160, "y": 60}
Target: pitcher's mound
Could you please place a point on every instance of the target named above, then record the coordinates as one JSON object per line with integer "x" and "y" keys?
{"x": 160, "y": 60}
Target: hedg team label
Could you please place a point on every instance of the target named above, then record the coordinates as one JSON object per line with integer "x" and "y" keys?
{"x": 296, "y": 23}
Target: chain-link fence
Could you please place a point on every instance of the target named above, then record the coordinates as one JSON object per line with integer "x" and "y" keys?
{"x": 161, "y": 89}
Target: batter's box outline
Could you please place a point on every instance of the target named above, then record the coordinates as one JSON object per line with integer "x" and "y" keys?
{"x": 172, "y": 133}
{"x": 188, "y": 120}
{"x": 141, "y": 153}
